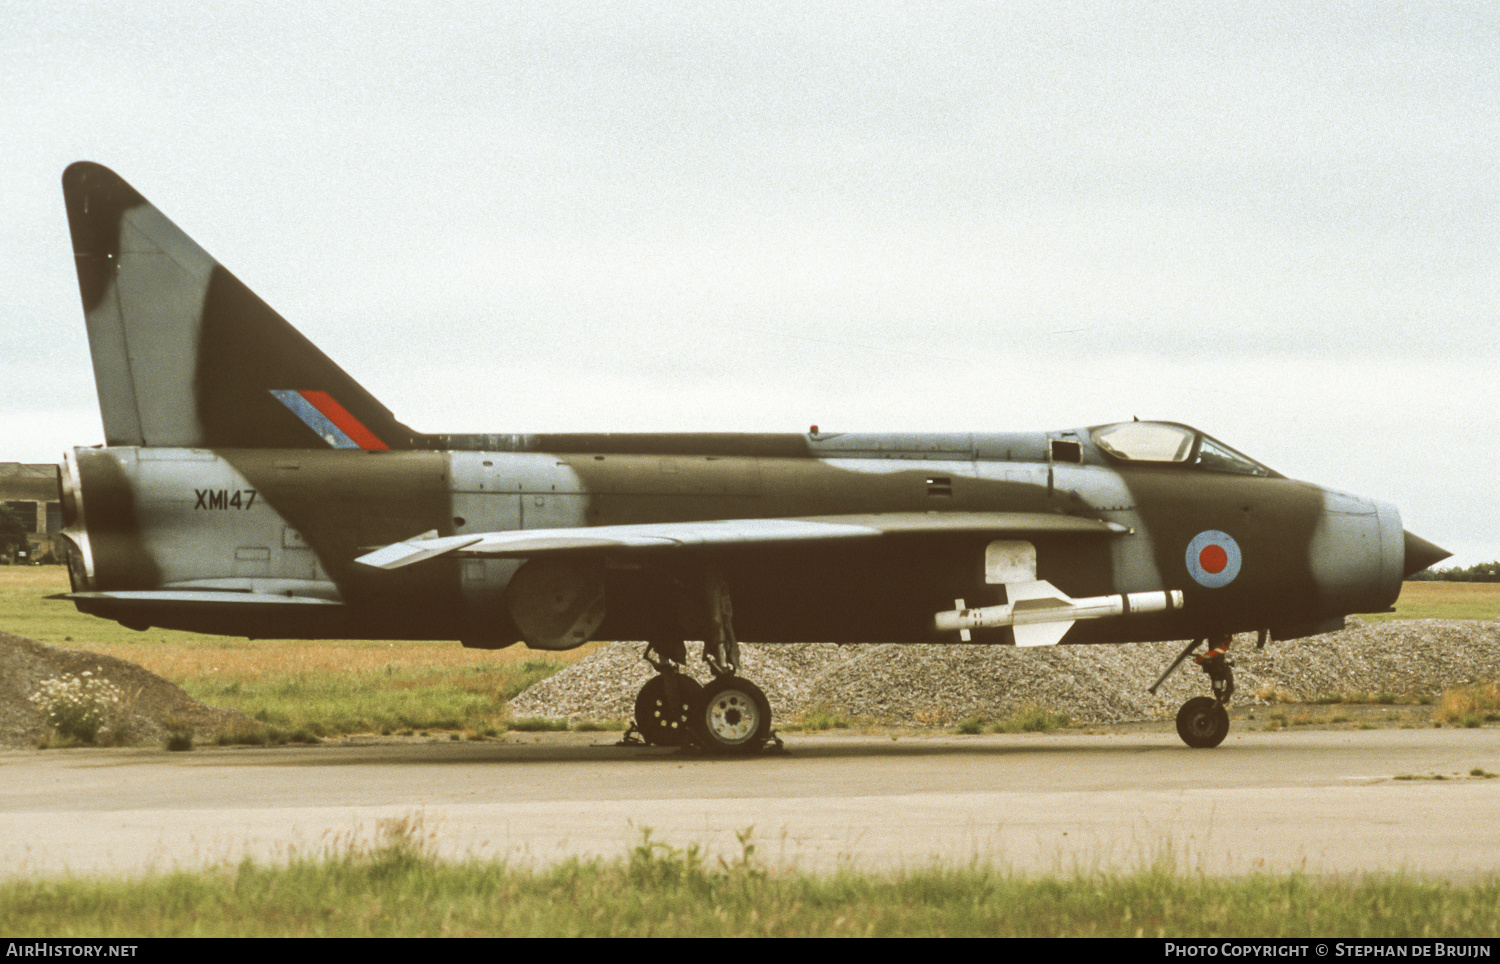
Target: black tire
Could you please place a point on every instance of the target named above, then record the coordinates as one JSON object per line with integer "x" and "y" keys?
{"x": 734, "y": 717}
{"x": 1202, "y": 723}
{"x": 659, "y": 721}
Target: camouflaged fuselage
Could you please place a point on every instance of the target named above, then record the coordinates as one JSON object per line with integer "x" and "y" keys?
{"x": 250, "y": 486}
{"x": 294, "y": 521}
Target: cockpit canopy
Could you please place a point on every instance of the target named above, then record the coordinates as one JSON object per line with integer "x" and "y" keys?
{"x": 1169, "y": 443}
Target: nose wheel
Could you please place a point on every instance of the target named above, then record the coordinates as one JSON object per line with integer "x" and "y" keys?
{"x": 1203, "y": 722}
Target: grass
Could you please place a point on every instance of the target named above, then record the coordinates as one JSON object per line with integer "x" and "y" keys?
{"x": 1385, "y": 697}
{"x": 1470, "y": 706}
{"x": 1030, "y": 719}
{"x": 300, "y": 689}
{"x": 817, "y": 720}
{"x": 332, "y": 700}
{"x": 398, "y": 887}
{"x": 1025, "y": 719}
{"x": 1445, "y": 600}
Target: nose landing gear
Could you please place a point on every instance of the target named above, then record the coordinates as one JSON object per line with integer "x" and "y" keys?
{"x": 1203, "y": 721}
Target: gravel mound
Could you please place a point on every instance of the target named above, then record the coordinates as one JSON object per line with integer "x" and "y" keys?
{"x": 150, "y": 706}
{"x": 938, "y": 685}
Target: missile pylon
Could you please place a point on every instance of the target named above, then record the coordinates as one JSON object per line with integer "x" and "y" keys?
{"x": 1041, "y": 614}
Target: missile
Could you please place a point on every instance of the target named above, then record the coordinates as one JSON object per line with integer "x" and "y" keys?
{"x": 1042, "y": 614}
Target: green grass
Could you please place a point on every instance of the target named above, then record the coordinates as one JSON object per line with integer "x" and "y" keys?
{"x": 300, "y": 689}
{"x": 1032, "y": 719}
{"x": 1445, "y": 600}
{"x": 398, "y": 888}
{"x": 819, "y": 720}
{"x": 329, "y": 703}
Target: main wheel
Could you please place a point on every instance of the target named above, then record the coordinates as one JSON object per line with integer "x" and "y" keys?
{"x": 733, "y": 717}
{"x": 663, "y": 721}
{"x": 1202, "y": 722}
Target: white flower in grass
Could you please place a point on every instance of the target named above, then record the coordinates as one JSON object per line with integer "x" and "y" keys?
{"x": 77, "y": 706}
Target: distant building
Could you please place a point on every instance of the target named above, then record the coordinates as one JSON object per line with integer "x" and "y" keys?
{"x": 29, "y": 493}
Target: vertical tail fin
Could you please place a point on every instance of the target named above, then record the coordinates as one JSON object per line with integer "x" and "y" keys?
{"x": 186, "y": 355}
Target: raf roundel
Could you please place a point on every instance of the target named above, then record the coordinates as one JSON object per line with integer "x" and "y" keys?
{"x": 1213, "y": 558}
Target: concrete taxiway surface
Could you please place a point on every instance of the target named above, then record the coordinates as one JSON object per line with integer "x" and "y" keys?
{"x": 1322, "y": 801}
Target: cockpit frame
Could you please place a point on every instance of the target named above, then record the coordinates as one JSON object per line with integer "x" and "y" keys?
{"x": 1173, "y": 444}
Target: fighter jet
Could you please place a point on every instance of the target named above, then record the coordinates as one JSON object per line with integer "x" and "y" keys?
{"x": 250, "y": 487}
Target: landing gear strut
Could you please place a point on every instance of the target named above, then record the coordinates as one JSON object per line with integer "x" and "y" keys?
{"x": 729, "y": 716}
{"x": 735, "y": 716}
{"x": 1203, "y": 721}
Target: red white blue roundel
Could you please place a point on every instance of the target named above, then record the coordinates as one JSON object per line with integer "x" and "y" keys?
{"x": 1213, "y": 558}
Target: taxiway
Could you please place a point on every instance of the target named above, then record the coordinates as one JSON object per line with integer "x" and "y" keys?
{"x": 1325, "y": 801}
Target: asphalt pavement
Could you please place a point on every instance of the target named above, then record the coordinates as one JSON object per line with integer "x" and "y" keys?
{"x": 1323, "y": 801}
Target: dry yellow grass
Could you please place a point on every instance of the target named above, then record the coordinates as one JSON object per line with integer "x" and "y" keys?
{"x": 1446, "y": 600}
{"x": 1472, "y": 705}
{"x": 254, "y": 659}
{"x": 25, "y": 611}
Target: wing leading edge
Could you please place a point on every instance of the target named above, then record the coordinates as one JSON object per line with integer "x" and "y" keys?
{"x": 724, "y": 533}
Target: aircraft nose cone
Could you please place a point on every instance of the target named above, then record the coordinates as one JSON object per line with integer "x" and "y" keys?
{"x": 1420, "y": 554}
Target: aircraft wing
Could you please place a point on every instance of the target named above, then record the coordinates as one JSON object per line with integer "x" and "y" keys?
{"x": 266, "y": 615}
{"x": 722, "y": 533}
{"x": 203, "y": 596}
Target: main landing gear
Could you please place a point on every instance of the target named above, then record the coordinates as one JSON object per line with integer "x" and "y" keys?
{"x": 729, "y": 716}
{"x": 664, "y": 708}
{"x": 734, "y": 716}
{"x": 1203, "y": 721}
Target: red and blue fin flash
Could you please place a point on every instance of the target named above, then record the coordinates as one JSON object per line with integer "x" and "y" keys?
{"x": 330, "y": 420}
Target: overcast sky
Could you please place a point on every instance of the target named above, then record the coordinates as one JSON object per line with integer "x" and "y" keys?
{"x": 1277, "y": 222}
